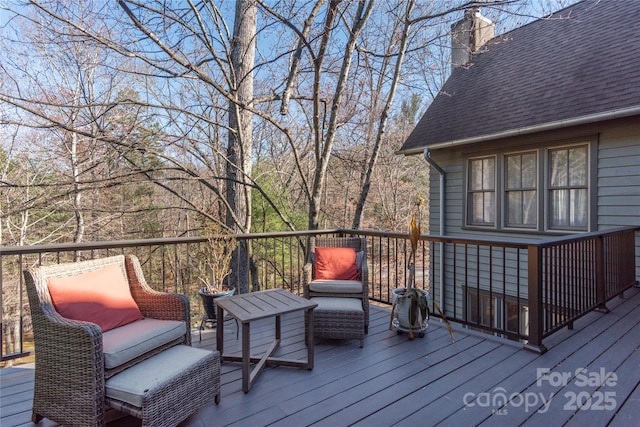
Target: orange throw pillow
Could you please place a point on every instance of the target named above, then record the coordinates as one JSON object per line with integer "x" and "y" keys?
{"x": 336, "y": 264}
{"x": 100, "y": 296}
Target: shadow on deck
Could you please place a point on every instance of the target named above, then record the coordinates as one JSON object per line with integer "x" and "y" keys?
{"x": 592, "y": 378}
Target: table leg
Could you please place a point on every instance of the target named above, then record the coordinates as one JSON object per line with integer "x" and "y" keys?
{"x": 246, "y": 357}
{"x": 310, "y": 340}
{"x": 220, "y": 330}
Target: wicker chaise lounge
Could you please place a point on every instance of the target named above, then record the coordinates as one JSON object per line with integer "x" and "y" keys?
{"x": 143, "y": 367}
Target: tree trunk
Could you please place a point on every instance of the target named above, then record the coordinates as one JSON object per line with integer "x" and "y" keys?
{"x": 75, "y": 170}
{"x": 384, "y": 118}
{"x": 324, "y": 143}
{"x": 239, "y": 148}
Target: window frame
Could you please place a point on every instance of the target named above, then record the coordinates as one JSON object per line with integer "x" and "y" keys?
{"x": 469, "y": 193}
{"x": 547, "y": 189}
{"x": 543, "y": 214}
{"x": 500, "y": 311}
{"x": 523, "y": 317}
{"x": 484, "y": 300}
{"x": 504, "y": 190}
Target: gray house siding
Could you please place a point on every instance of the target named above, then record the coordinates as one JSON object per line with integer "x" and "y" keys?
{"x": 616, "y": 145}
{"x": 619, "y": 178}
{"x": 461, "y": 272}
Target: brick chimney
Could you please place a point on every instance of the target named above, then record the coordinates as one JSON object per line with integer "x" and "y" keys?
{"x": 468, "y": 35}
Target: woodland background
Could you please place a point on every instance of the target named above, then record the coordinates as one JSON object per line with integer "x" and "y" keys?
{"x": 133, "y": 119}
{"x": 127, "y": 119}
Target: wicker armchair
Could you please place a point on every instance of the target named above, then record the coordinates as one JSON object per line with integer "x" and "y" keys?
{"x": 70, "y": 371}
{"x": 360, "y": 245}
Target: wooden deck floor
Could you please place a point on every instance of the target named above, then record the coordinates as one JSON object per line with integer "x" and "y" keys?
{"x": 424, "y": 382}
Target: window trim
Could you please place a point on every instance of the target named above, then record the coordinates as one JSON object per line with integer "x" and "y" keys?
{"x": 467, "y": 206}
{"x": 591, "y": 182}
{"x": 542, "y": 196}
{"x": 500, "y": 311}
{"x": 503, "y": 191}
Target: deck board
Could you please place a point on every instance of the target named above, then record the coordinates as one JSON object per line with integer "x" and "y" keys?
{"x": 395, "y": 381}
{"x": 628, "y": 414}
{"x": 592, "y": 337}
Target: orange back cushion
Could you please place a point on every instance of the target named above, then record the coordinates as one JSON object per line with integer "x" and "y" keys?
{"x": 101, "y": 296}
{"x": 336, "y": 264}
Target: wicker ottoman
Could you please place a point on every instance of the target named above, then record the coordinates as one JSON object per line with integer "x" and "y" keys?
{"x": 168, "y": 387}
{"x": 338, "y": 318}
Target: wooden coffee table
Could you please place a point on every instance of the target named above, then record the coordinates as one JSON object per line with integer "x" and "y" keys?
{"x": 246, "y": 308}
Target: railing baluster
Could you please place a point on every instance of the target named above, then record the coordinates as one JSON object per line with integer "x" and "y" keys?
{"x": 565, "y": 276}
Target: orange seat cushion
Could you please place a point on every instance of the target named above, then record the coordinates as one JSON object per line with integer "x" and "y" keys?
{"x": 101, "y": 296}
{"x": 336, "y": 264}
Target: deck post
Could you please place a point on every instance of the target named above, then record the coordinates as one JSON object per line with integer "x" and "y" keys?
{"x": 536, "y": 318}
{"x": 601, "y": 296}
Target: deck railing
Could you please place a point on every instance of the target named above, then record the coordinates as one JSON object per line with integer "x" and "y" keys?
{"x": 571, "y": 276}
{"x": 523, "y": 290}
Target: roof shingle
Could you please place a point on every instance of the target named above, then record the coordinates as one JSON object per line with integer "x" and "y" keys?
{"x": 582, "y": 61}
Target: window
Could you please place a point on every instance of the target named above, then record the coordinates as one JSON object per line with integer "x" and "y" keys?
{"x": 483, "y": 309}
{"x": 538, "y": 189}
{"x": 488, "y": 310}
{"x": 520, "y": 190}
{"x": 568, "y": 189}
{"x": 481, "y": 191}
{"x": 517, "y": 317}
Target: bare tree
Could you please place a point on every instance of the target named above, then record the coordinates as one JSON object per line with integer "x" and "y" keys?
{"x": 240, "y": 146}
{"x": 327, "y": 76}
{"x": 65, "y": 108}
{"x": 365, "y": 180}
